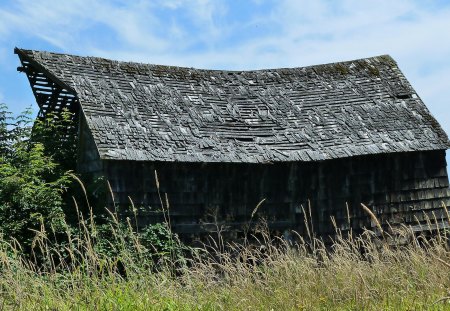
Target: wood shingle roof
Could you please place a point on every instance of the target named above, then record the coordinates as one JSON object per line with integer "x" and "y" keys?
{"x": 162, "y": 113}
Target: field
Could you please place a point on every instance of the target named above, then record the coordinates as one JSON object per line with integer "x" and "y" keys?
{"x": 353, "y": 273}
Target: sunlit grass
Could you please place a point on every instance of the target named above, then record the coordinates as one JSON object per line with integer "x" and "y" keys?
{"x": 354, "y": 273}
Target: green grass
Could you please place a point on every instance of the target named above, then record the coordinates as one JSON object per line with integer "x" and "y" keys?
{"x": 362, "y": 273}
{"x": 119, "y": 271}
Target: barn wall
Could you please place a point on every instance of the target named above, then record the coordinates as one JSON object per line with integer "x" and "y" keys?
{"x": 398, "y": 187}
{"x": 88, "y": 158}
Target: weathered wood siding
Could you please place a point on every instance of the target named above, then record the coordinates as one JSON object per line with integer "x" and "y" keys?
{"x": 400, "y": 188}
{"x": 88, "y": 158}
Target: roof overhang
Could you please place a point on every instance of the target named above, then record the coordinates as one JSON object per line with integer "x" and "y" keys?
{"x": 52, "y": 94}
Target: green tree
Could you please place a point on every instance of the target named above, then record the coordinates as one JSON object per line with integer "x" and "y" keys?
{"x": 36, "y": 163}
{"x": 57, "y": 132}
{"x": 31, "y": 182}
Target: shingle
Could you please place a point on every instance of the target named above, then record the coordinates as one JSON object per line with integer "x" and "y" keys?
{"x": 310, "y": 113}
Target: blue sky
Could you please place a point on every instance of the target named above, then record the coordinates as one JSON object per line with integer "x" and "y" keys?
{"x": 234, "y": 34}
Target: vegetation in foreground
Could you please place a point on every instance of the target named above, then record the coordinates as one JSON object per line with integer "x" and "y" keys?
{"x": 85, "y": 262}
{"x": 353, "y": 274}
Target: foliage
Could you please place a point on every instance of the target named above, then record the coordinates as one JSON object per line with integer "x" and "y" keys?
{"x": 14, "y": 131}
{"x": 36, "y": 182}
{"x": 31, "y": 183}
{"x": 154, "y": 244}
{"x": 154, "y": 238}
{"x": 58, "y": 133}
{"x": 354, "y": 273}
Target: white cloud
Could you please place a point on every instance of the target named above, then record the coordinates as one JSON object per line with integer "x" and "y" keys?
{"x": 307, "y": 32}
{"x": 316, "y": 32}
{"x": 135, "y": 25}
{"x": 296, "y": 33}
{"x": 61, "y": 23}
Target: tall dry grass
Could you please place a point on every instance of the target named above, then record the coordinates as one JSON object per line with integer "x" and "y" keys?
{"x": 366, "y": 272}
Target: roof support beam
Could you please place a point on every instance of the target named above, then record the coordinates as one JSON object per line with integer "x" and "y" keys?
{"x": 50, "y": 95}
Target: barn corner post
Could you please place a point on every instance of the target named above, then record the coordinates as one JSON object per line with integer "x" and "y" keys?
{"x": 324, "y": 137}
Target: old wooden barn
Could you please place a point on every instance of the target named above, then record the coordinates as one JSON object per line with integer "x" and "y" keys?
{"x": 221, "y": 141}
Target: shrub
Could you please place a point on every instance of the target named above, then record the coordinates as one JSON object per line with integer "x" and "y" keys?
{"x": 31, "y": 182}
{"x": 37, "y": 185}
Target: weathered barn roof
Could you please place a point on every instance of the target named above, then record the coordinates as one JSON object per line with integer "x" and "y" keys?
{"x": 163, "y": 113}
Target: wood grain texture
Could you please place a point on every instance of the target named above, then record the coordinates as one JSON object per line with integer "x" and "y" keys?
{"x": 400, "y": 188}
{"x": 147, "y": 112}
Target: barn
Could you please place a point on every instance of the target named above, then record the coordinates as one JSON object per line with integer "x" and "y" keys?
{"x": 311, "y": 142}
